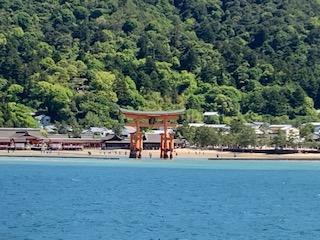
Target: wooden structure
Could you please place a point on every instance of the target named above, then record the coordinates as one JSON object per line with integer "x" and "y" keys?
{"x": 113, "y": 141}
{"x": 154, "y": 119}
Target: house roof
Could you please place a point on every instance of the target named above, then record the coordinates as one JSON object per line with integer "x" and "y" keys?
{"x": 112, "y": 137}
{"x": 159, "y": 131}
{"x": 218, "y": 126}
{"x": 4, "y": 140}
{"x": 50, "y": 128}
{"x": 39, "y": 117}
{"x": 259, "y": 123}
{"x": 210, "y": 114}
{"x": 62, "y": 138}
{"x": 74, "y": 140}
{"x": 127, "y": 130}
{"x": 9, "y": 133}
{"x": 24, "y": 136}
{"x": 280, "y": 126}
{"x": 97, "y": 130}
{"x": 125, "y": 141}
{"x": 58, "y": 136}
{"x": 313, "y": 123}
{"x": 196, "y": 124}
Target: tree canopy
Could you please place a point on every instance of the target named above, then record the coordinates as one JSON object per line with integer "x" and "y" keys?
{"x": 76, "y": 61}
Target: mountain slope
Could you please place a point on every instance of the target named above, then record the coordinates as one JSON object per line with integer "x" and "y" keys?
{"x": 78, "y": 60}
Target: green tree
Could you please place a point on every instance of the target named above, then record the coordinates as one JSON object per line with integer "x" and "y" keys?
{"x": 254, "y": 58}
{"x": 247, "y": 137}
{"x": 306, "y": 132}
{"x": 206, "y": 136}
{"x": 280, "y": 140}
{"x": 55, "y": 98}
{"x": 193, "y": 116}
{"x": 20, "y": 116}
{"x": 187, "y": 132}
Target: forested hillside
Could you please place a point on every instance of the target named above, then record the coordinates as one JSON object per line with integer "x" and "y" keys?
{"x": 77, "y": 61}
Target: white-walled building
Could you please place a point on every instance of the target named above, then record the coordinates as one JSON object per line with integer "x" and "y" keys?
{"x": 43, "y": 120}
{"x": 289, "y": 131}
{"x": 218, "y": 127}
{"x": 96, "y": 132}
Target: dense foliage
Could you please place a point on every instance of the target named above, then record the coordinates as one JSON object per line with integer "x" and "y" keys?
{"x": 76, "y": 61}
{"x": 239, "y": 136}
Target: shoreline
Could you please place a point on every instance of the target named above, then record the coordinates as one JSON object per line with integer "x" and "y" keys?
{"x": 211, "y": 155}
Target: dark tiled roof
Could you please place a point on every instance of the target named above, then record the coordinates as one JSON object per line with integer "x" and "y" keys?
{"x": 20, "y": 134}
{"x": 58, "y": 136}
{"x": 74, "y": 140}
{"x": 25, "y": 136}
{"x": 112, "y": 137}
{"x": 11, "y": 132}
{"x": 118, "y": 142}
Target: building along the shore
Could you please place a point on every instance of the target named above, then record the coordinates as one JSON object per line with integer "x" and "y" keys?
{"x": 219, "y": 127}
{"x": 290, "y": 132}
{"x": 260, "y": 128}
{"x": 20, "y": 138}
{"x": 37, "y": 139}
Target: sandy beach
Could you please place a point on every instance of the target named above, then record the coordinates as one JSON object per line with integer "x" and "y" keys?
{"x": 178, "y": 154}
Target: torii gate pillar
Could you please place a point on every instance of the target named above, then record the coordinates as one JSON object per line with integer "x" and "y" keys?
{"x": 136, "y": 143}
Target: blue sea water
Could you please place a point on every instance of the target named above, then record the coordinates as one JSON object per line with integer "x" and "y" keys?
{"x": 180, "y": 199}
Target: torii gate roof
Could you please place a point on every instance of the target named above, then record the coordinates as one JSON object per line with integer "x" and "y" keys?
{"x": 134, "y": 113}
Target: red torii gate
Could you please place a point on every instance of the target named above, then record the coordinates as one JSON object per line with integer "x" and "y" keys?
{"x": 155, "y": 119}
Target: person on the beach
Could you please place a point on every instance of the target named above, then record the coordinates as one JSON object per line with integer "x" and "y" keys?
{"x": 150, "y": 155}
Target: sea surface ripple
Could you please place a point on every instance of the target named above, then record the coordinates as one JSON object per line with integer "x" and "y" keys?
{"x": 224, "y": 200}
